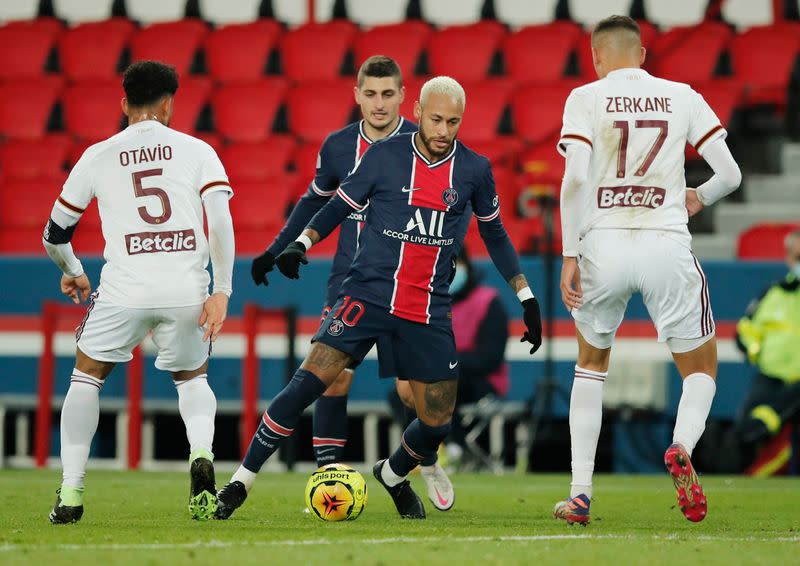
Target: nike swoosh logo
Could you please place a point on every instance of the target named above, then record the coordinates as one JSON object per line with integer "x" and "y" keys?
{"x": 442, "y": 501}
{"x": 325, "y": 450}
{"x": 453, "y": 364}
{"x": 411, "y": 190}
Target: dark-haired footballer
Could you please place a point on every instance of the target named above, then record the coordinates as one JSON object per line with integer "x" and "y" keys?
{"x": 379, "y": 94}
{"x": 152, "y": 185}
{"x": 422, "y": 190}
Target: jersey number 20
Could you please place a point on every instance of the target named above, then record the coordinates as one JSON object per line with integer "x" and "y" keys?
{"x": 624, "y": 127}
{"x": 141, "y": 191}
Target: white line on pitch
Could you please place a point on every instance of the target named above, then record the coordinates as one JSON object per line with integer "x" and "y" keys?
{"x": 380, "y": 541}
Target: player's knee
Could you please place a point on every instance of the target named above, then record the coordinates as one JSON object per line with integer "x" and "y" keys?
{"x": 341, "y": 386}
{"x": 405, "y": 393}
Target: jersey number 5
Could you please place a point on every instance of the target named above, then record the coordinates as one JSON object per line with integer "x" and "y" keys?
{"x": 141, "y": 191}
{"x": 624, "y": 127}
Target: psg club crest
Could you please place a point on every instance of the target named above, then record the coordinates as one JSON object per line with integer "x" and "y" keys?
{"x": 450, "y": 196}
{"x": 335, "y": 328}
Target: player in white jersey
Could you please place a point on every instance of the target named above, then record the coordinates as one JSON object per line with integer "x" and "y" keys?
{"x": 152, "y": 185}
{"x": 624, "y": 210}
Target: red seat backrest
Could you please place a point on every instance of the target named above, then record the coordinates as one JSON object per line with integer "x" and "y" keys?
{"x": 92, "y": 109}
{"x": 316, "y": 51}
{"x": 240, "y": 52}
{"x": 464, "y": 52}
{"x": 169, "y": 42}
{"x": 25, "y": 106}
{"x": 317, "y": 109}
{"x": 764, "y": 241}
{"x": 540, "y": 53}
{"x": 402, "y": 42}
{"x": 92, "y": 50}
{"x": 245, "y": 112}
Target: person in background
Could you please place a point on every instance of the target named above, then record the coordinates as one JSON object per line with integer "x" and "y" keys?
{"x": 769, "y": 334}
{"x": 480, "y": 325}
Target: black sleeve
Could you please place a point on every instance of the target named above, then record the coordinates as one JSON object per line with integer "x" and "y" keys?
{"x": 490, "y": 342}
{"x": 301, "y": 215}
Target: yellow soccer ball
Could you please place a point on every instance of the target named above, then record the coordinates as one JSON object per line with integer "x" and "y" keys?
{"x": 336, "y": 492}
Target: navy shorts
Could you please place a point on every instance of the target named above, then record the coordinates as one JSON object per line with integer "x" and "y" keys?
{"x": 386, "y": 367}
{"x": 420, "y": 352}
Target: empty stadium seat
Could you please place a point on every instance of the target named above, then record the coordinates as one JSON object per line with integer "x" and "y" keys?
{"x": 170, "y": 42}
{"x": 517, "y": 14}
{"x": 27, "y": 204}
{"x": 691, "y": 54}
{"x": 540, "y": 53}
{"x": 258, "y": 161}
{"x": 305, "y": 164}
{"x": 25, "y": 106}
{"x": 764, "y": 241}
{"x": 92, "y": 110}
{"x": 486, "y": 101}
{"x": 245, "y": 112}
{"x": 316, "y": 51}
{"x": 192, "y": 96}
{"x": 151, "y": 11}
{"x": 240, "y": 51}
{"x": 317, "y": 109}
{"x": 464, "y": 52}
{"x": 537, "y": 122}
{"x": 748, "y": 13}
{"x": 295, "y": 13}
{"x": 675, "y": 12}
{"x": 762, "y": 60}
{"x": 258, "y": 211}
{"x": 80, "y": 56}
{"x": 237, "y": 12}
{"x": 412, "y": 85}
{"x": 24, "y": 49}
{"x": 723, "y": 95}
{"x": 371, "y": 13}
{"x": 589, "y": 12}
{"x": 34, "y": 159}
{"x": 451, "y": 12}
{"x": 78, "y": 11}
{"x": 402, "y": 42}
{"x": 542, "y": 161}
{"x": 19, "y": 10}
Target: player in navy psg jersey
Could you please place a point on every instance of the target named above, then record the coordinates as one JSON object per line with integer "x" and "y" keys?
{"x": 379, "y": 93}
{"x": 422, "y": 190}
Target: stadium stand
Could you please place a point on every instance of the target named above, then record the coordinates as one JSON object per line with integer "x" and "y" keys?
{"x": 246, "y": 80}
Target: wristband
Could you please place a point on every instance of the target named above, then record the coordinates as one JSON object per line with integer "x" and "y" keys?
{"x": 305, "y": 240}
{"x": 524, "y": 294}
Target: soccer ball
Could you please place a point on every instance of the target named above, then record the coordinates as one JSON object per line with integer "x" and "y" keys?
{"x": 336, "y": 492}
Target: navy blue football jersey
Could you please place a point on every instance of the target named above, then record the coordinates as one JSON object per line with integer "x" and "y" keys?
{"x": 339, "y": 154}
{"x": 419, "y": 213}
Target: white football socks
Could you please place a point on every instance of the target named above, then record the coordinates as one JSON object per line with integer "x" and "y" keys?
{"x": 198, "y": 406}
{"x": 693, "y": 409}
{"x": 79, "y": 416}
{"x": 585, "y": 419}
{"x": 245, "y": 476}
{"x": 388, "y": 476}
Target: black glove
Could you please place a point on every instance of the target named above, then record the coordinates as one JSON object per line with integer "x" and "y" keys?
{"x": 289, "y": 260}
{"x": 262, "y": 265}
{"x": 533, "y": 322}
{"x": 452, "y": 271}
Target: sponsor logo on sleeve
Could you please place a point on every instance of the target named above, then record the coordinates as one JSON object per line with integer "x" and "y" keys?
{"x": 161, "y": 242}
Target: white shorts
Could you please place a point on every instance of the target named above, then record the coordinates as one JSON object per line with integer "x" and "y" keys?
{"x": 109, "y": 333}
{"x": 660, "y": 265}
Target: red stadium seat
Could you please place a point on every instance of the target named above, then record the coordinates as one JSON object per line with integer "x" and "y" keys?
{"x": 413, "y": 85}
{"x": 92, "y": 109}
{"x": 540, "y": 53}
{"x": 25, "y": 106}
{"x": 92, "y": 50}
{"x": 240, "y": 52}
{"x": 486, "y": 101}
{"x": 402, "y": 42}
{"x": 317, "y": 109}
{"x": 34, "y": 159}
{"x": 27, "y": 204}
{"x": 170, "y": 42}
{"x": 316, "y": 51}
{"x": 723, "y": 95}
{"x": 253, "y": 162}
{"x": 245, "y": 112}
{"x": 305, "y": 163}
{"x": 763, "y": 59}
{"x": 258, "y": 211}
{"x": 192, "y": 96}
{"x": 24, "y": 49}
{"x": 764, "y": 241}
{"x": 543, "y": 162}
{"x": 690, "y": 55}
{"x": 465, "y": 52}
{"x": 538, "y": 110}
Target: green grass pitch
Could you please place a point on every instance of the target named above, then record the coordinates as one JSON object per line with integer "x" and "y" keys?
{"x": 141, "y": 518}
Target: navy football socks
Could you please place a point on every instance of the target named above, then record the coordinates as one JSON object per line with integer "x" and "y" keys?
{"x": 281, "y": 417}
{"x": 330, "y": 429}
{"x": 418, "y": 444}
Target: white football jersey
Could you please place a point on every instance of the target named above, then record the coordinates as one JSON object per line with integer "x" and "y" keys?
{"x": 636, "y": 126}
{"x": 149, "y": 181}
